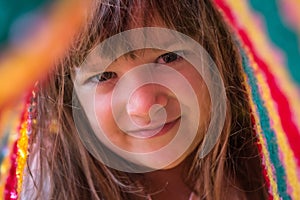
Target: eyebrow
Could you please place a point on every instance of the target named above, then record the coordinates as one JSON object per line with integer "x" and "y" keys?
{"x": 135, "y": 53}
{"x": 94, "y": 61}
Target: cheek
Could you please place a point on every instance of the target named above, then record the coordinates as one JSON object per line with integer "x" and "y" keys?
{"x": 204, "y": 104}
{"x": 200, "y": 88}
{"x": 103, "y": 113}
{"x": 203, "y": 98}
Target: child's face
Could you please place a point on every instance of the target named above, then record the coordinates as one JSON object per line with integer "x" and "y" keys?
{"x": 151, "y": 106}
{"x": 124, "y": 114}
{"x": 143, "y": 137}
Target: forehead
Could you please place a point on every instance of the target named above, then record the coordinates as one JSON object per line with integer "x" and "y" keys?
{"x": 134, "y": 16}
{"x": 137, "y": 43}
{"x": 109, "y": 19}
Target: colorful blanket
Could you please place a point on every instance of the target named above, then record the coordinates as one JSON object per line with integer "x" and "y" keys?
{"x": 268, "y": 33}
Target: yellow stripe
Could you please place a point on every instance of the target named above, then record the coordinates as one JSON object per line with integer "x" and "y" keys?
{"x": 22, "y": 155}
{"x": 266, "y": 52}
{"x": 268, "y": 165}
{"x": 278, "y": 70}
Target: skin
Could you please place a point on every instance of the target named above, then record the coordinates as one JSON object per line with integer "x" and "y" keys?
{"x": 142, "y": 100}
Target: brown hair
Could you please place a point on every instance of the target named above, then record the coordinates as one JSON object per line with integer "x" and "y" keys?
{"x": 73, "y": 173}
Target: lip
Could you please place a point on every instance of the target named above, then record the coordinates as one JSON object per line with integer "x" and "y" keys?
{"x": 151, "y": 133}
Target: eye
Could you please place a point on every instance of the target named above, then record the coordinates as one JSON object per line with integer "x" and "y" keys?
{"x": 168, "y": 58}
{"x": 103, "y": 77}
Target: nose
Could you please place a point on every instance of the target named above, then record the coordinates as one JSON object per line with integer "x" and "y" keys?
{"x": 141, "y": 101}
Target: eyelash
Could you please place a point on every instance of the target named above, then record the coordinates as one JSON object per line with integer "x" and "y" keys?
{"x": 103, "y": 77}
{"x": 172, "y": 56}
{"x": 162, "y": 59}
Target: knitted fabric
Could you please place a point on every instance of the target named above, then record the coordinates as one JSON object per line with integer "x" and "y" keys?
{"x": 273, "y": 87}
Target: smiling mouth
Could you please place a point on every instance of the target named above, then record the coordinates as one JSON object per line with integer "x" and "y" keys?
{"x": 151, "y": 133}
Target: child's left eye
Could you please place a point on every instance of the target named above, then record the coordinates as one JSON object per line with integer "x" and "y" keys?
{"x": 168, "y": 58}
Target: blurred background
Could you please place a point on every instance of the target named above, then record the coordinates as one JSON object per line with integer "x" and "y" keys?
{"x": 34, "y": 32}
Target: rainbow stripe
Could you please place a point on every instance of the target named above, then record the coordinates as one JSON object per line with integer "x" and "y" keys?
{"x": 273, "y": 98}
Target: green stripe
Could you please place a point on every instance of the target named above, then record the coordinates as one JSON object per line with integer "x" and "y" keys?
{"x": 14, "y": 10}
{"x": 280, "y": 34}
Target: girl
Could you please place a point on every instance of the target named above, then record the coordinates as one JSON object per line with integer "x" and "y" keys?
{"x": 63, "y": 161}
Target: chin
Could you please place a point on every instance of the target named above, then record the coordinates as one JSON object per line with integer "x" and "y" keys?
{"x": 173, "y": 165}
{"x": 190, "y": 152}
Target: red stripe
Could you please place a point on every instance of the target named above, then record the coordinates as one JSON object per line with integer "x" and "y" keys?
{"x": 283, "y": 107}
{"x": 231, "y": 19}
{"x": 264, "y": 170}
{"x": 11, "y": 181}
{"x": 11, "y": 184}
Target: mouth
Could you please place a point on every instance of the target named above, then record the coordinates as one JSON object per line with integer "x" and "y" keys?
{"x": 155, "y": 132}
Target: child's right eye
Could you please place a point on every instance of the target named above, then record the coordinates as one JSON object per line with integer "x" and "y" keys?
{"x": 103, "y": 77}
